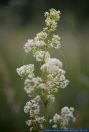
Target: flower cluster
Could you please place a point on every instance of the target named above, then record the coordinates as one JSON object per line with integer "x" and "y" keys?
{"x": 63, "y": 119}
{"x": 26, "y": 70}
{"x": 52, "y": 18}
{"x": 42, "y": 89}
{"x": 33, "y": 109}
{"x": 32, "y": 85}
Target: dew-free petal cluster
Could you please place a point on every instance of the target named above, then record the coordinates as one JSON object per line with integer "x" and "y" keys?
{"x": 42, "y": 56}
{"x": 26, "y": 70}
{"x": 52, "y": 17}
{"x": 64, "y": 118}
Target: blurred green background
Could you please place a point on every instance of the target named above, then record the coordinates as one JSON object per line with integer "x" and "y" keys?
{"x": 22, "y": 19}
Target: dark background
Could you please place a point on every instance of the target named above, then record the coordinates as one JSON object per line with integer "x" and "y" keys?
{"x": 22, "y": 19}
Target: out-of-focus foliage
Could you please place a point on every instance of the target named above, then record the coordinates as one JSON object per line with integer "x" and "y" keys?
{"x": 22, "y": 19}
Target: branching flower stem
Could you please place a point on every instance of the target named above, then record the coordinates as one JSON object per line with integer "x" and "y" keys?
{"x": 42, "y": 89}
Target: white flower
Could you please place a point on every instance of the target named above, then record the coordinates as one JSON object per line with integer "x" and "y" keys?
{"x": 41, "y": 90}
{"x": 32, "y": 107}
{"x": 26, "y": 70}
{"x": 55, "y": 121}
{"x": 56, "y": 38}
{"x": 61, "y": 71}
{"x": 55, "y": 43}
{"x": 33, "y": 81}
{"x": 37, "y": 98}
{"x": 29, "y": 122}
{"x": 40, "y": 120}
{"x": 52, "y": 65}
{"x": 42, "y": 55}
{"x": 33, "y": 45}
{"x": 67, "y": 115}
{"x": 26, "y": 108}
{"x": 42, "y": 35}
{"x": 51, "y": 19}
{"x": 38, "y": 43}
{"x": 36, "y": 81}
{"x": 64, "y": 83}
{"x": 42, "y": 86}
{"x": 65, "y": 110}
{"x": 55, "y": 74}
{"x": 56, "y": 118}
{"x": 72, "y": 109}
{"x": 64, "y": 118}
{"x": 28, "y": 45}
{"x": 48, "y": 21}
{"x": 31, "y": 84}
{"x": 46, "y": 14}
{"x": 54, "y": 14}
{"x": 29, "y": 91}
{"x": 62, "y": 77}
{"x": 55, "y": 61}
{"x": 51, "y": 23}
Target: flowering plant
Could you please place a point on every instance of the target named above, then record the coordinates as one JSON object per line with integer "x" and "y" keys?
{"x": 41, "y": 89}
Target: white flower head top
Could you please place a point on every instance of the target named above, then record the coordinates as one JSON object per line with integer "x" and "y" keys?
{"x": 41, "y": 89}
{"x": 52, "y": 18}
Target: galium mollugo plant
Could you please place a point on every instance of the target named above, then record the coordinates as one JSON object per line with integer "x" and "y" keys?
{"x": 41, "y": 89}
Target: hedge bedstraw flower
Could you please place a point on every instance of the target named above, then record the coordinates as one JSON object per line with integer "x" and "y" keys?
{"x": 41, "y": 89}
